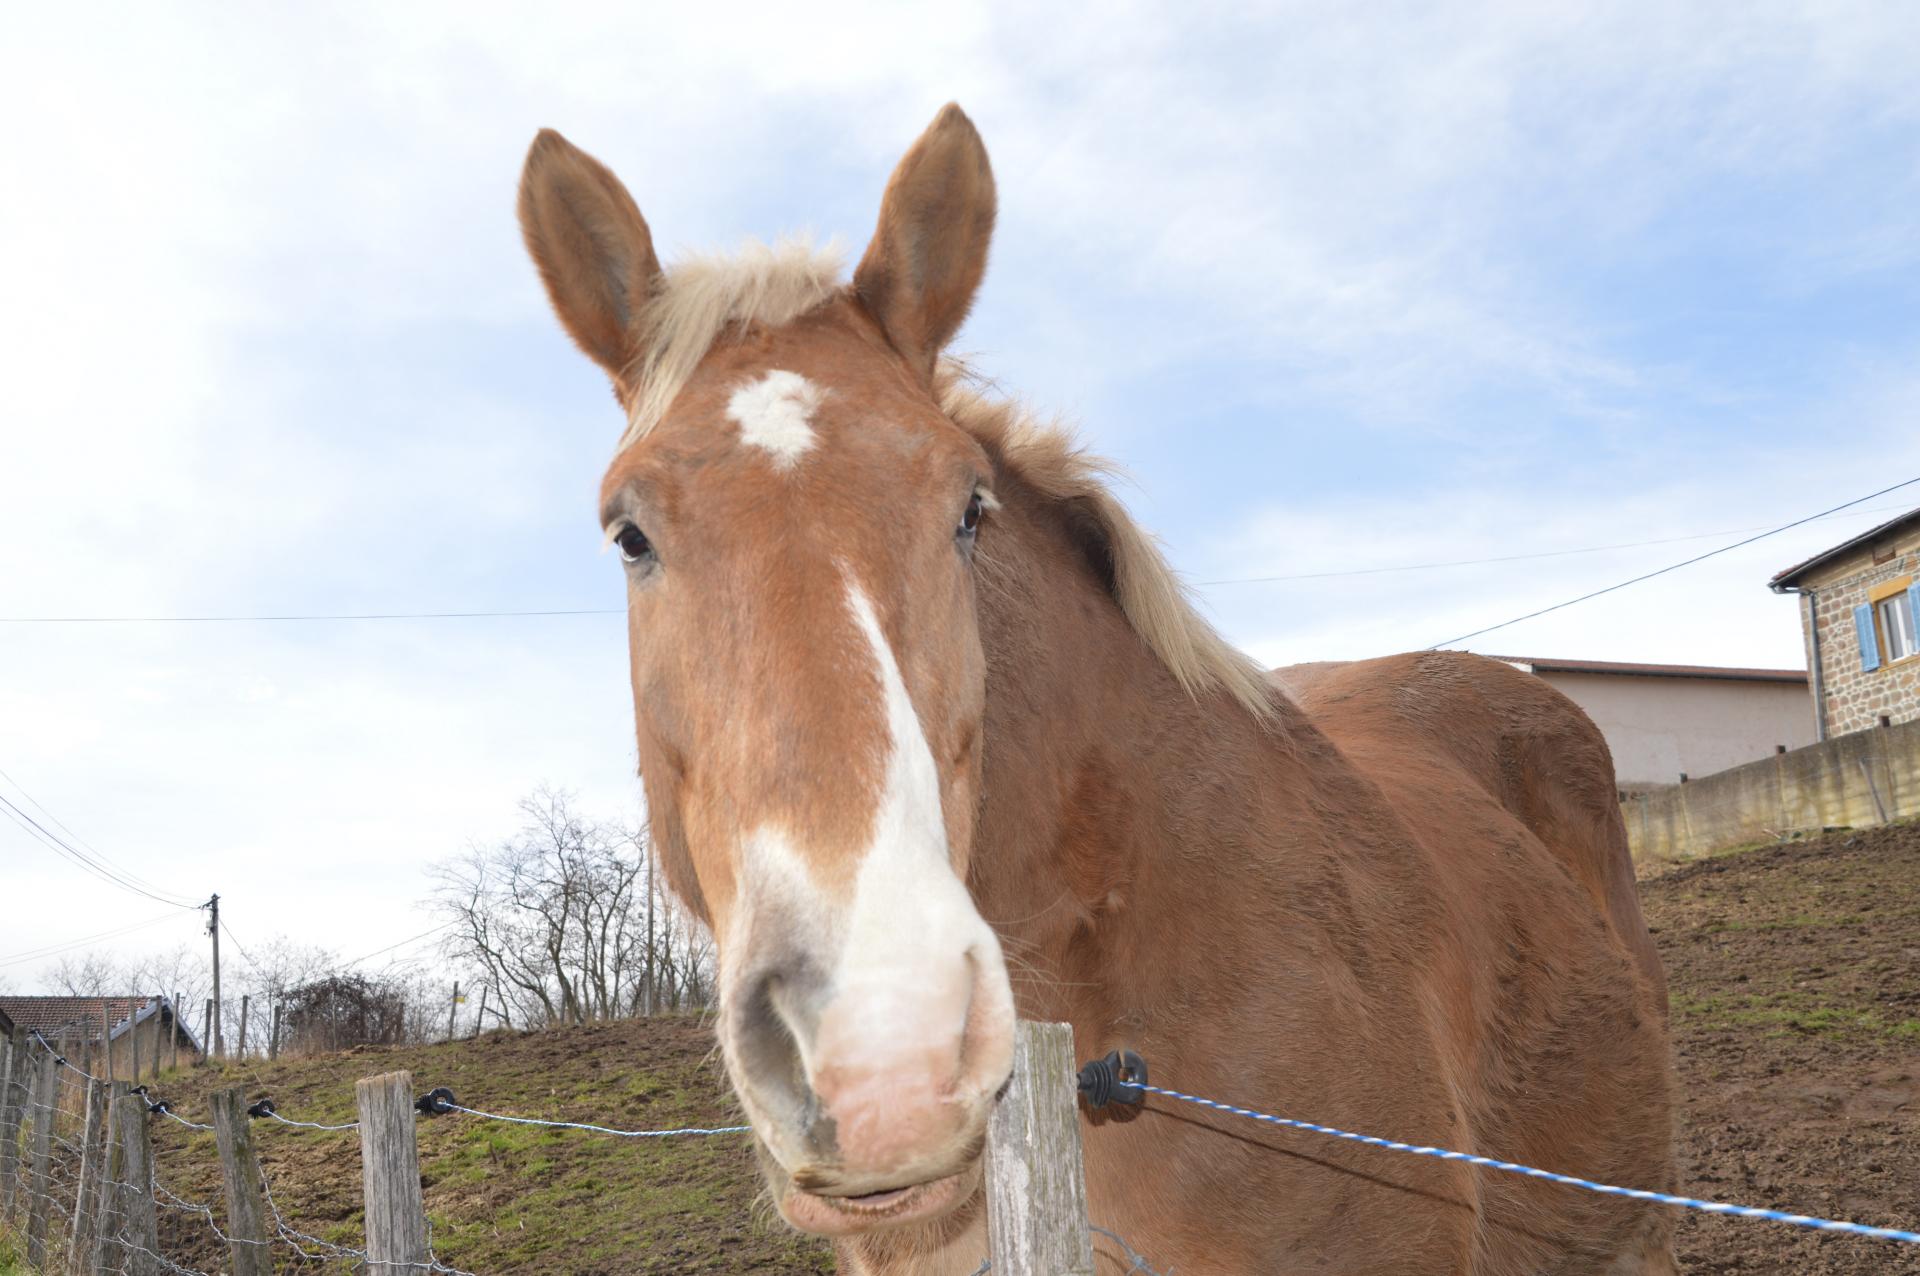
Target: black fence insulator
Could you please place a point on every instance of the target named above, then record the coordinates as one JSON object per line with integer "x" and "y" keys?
{"x": 160, "y": 1105}
{"x": 1114, "y": 1079}
{"x": 435, "y": 1102}
{"x": 264, "y": 1108}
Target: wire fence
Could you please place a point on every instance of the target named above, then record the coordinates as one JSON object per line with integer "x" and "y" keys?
{"x": 81, "y": 1215}
{"x": 93, "y": 1203}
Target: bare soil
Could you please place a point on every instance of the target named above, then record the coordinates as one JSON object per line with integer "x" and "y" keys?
{"x": 1795, "y": 977}
{"x": 1795, "y": 974}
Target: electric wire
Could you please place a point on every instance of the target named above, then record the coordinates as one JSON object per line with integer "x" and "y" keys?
{"x": 80, "y": 844}
{"x": 52, "y": 842}
{"x": 1674, "y": 567}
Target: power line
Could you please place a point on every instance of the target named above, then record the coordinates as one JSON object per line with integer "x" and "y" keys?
{"x": 54, "y": 950}
{"x": 1674, "y": 567}
{"x": 1507, "y": 558}
{"x": 39, "y": 831}
{"x": 621, "y": 611}
{"x": 374, "y": 615}
{"x": 403, "y": 943}
{"x": 85, "y": 848}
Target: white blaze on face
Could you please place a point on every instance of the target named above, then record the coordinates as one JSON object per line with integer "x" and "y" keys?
{"x": 776, "y": 413}
{"x": 914, "y": 949}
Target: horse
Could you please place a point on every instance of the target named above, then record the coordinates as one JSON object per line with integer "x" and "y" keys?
{"x": 932, "y": 738}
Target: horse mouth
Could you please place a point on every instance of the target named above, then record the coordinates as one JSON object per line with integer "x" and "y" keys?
{"x": 874, "y": 1211}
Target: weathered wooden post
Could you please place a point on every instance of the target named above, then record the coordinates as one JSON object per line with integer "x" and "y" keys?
{"x": 88, "y": 1199}
{"x": 133, "y": 1043}
{"x": 106, "y": 1035}
{"x": 390, "y": 1165}
{"x": 39, "y": 1182}
{"x": 140, "y": 1227}
{"x": 246, "y": 1206}
{"x": 1036, "y": 1183}
{"x": 273, "y": 1036}
{"x": 13, "y": 1090}
{"x": 244, "y": 998}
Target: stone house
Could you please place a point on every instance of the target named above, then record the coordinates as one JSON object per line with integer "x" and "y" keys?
{"x": 1860, "y": 614}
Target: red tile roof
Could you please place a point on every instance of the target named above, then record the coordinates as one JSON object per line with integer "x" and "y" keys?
{"x": 50, "y": 1014}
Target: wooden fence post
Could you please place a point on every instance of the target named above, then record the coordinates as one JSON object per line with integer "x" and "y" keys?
{"x": 273, "y": 1036}
{"x": 390, "y": 1163}
{"x": 133, "y": 1044}
{"x": 39, "y": 1185}
{"x": 88, "y": 1199}
{"x": 140, "y": 1227}
{"x": 246, "y": 1207}
{"x": 13, "y": 1088}
{"x": 243, "y": 1025}
{"x": 1036, "y": 1182}
{"x": 106, "y": 1035}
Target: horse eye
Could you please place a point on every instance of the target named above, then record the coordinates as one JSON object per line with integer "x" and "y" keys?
{"x": 633, "y": 544}
{"x": 970, "y": 521}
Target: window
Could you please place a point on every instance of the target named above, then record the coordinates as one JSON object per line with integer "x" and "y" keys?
{"x": 1893, "y": 617}
{"x": 1888, "y": 623}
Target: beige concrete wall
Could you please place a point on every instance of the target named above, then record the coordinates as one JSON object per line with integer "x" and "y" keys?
{"x": 1659, "y": 728}
{"x": 1858, "y": 780}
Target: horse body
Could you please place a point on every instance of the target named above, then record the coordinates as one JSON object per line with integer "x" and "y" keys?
{"x": 1404, "y": 909}
{"x": 913, "y": 694}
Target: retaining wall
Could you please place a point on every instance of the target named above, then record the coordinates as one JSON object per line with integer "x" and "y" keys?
{"x": 1852, "y": 781}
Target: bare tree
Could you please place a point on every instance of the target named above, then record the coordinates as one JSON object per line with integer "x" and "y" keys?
{"x": 563, "y": 920}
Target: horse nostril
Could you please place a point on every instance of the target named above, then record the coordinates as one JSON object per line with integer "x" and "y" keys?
{"x": 766, "y": 1045}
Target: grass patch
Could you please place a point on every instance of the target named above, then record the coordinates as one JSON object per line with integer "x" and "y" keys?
{"x": 1784, "y": 1013}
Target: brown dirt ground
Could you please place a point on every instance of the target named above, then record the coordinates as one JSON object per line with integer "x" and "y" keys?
{"x": 1795, "y": 973}
{"x": 1795, "y": 977}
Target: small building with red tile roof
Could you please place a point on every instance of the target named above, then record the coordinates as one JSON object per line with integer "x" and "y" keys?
{"x": 138, "y": 1028}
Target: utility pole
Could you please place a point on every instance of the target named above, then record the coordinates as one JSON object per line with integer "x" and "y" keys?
{"x": 213, "y": 928}
{"x": 649, "y": 866}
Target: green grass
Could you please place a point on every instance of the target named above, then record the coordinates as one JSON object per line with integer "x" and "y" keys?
{"x": 1788, "y": 1012}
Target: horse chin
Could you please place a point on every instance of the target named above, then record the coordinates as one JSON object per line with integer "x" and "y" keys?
{"x": 909, "y": 1204}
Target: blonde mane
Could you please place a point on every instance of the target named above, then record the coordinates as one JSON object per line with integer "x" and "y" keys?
{"x": 703, "y": 295}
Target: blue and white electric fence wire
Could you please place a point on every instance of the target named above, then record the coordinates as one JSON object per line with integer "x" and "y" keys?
{"x": 1487, "y": 1162}
{"x": 597, "y": 1129}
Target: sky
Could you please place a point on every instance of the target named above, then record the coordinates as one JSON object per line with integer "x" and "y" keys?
{"x": 1342, "y": 287}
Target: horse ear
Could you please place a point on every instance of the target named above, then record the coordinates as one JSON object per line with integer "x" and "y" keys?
{"x": 593, "y": 249}
{"x": 929, "y": 251}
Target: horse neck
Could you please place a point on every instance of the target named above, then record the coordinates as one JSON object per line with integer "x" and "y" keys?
{"x": 1117, "y": 810}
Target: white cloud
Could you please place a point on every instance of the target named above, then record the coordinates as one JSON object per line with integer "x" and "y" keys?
{"x": 270, "y": 343}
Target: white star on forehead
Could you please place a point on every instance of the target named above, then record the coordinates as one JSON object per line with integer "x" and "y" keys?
{"x": 775, "y": 413}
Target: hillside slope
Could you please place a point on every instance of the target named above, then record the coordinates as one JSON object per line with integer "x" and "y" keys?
{"x": 508, "y": 1198}
{"x": 1796, "y": 1006}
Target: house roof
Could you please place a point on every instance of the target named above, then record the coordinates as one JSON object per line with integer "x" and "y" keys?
{"x": 1782, "y": 581}
{"x": 51, "y": 1014}
{"x": 1542, "y": 664}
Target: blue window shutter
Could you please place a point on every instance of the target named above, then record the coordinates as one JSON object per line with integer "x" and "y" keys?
{"x": 1863, "y": 629}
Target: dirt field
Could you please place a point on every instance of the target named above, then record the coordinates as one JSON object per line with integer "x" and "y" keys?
{"x": 1796, "y": 989}
{"x": 1795, "y": 974}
